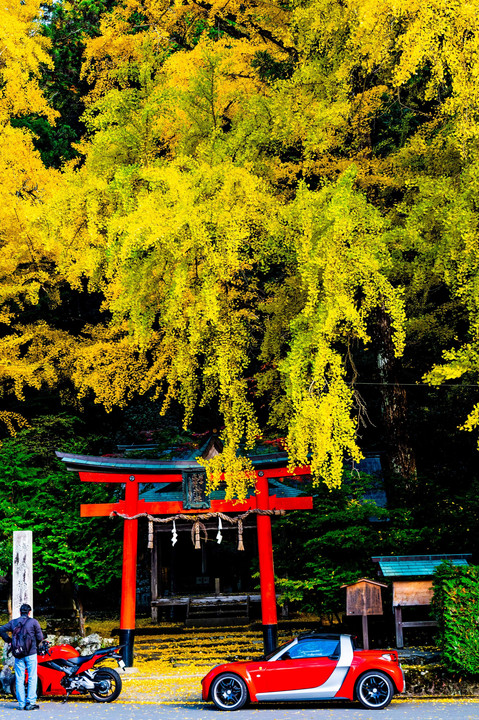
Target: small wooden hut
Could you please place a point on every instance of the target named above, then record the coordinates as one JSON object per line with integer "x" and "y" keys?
{"x": 411, "y": 576}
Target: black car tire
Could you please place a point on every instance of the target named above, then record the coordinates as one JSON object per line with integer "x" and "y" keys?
{"x": 229, "y": 692}
{"x": 112, "y": 682}
{"x": 374, "y": 690}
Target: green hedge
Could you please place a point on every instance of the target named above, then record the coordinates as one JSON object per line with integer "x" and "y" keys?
{"x": 456, "y": 606}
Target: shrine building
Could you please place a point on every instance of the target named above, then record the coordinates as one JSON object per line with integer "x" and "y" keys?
{"x": 171, "y": 495}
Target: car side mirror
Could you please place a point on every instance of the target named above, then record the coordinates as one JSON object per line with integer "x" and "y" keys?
{"x": 285, "y": 656}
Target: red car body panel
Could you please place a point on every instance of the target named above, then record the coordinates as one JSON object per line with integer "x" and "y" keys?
{"x": 289, "y": 674}
{"x": 364, "y": 660}
{"x": 310, "y": 678}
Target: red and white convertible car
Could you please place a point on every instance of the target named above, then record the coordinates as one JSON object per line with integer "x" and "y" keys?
{"x": 314, "y": 667}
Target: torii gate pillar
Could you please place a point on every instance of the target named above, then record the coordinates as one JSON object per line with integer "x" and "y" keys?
{"x": 266, "y": 568}
{"x": 128, "y": 578}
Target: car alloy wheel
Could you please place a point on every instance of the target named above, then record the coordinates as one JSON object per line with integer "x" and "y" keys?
{"x": 374, "y": 690}
{"x": 229, "y": 692}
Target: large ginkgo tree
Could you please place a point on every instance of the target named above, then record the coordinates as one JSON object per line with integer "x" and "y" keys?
{"x": 263, "y": 193}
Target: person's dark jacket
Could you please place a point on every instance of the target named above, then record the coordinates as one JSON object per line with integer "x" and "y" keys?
{"x": 32, "y": 628}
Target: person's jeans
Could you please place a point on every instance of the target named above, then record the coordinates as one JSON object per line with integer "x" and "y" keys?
{"x": 29, "y": 664}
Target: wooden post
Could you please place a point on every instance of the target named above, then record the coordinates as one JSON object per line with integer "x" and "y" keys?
{"x": 266, "y": 568}
{"x": 398, "y": 621}
{"x": 365, "y": 632}
{"x": 154, "y": 577}
{"x": 22, "y": 575}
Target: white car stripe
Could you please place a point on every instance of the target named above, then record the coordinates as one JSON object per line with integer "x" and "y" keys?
{"x": 329, "y": 688}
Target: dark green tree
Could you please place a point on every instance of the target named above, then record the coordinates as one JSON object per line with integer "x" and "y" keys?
{"x": 67, "y": 25}
{"x": 318, "y": 551}
{"x": 38, "y": 494}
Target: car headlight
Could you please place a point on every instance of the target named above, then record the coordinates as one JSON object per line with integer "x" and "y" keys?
{"x": 387, "y": 657}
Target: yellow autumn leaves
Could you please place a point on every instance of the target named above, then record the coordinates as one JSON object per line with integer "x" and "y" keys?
{"x": 237, "y": 208}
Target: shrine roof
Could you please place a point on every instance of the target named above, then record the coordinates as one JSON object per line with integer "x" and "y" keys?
{"x": 107, "y": 464}
{"x": 416, "y": 565}
{"x": 364, "y": 580}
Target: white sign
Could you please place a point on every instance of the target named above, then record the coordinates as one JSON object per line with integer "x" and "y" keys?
{"x": 22, "y": 575}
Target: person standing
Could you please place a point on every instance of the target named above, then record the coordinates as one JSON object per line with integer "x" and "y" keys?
{"x": 33, "y": 636}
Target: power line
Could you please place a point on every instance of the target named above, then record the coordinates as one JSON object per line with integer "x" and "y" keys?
{"x": 418, "y": 384}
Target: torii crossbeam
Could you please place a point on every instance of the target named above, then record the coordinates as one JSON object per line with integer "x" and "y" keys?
{"x": 132, "y": 473}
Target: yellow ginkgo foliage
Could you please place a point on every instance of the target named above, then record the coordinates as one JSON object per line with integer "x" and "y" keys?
{"x": 257, "y": 183}
{"x": 25, "y": 269}
{"x": 186, "y": 253}
{"x": 220, "y": 283}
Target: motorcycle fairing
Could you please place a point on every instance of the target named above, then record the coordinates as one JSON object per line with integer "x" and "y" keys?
{"x": 60, "y": 665}
{"x": 80, "y": 660}
{"x": 112, "y": 652}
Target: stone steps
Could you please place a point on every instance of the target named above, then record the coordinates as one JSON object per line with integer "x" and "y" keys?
{"x": 198, "y": 647}
{"x": 217, "y": 613}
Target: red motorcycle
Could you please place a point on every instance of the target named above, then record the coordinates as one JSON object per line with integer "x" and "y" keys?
{"x": 63, "y": 671}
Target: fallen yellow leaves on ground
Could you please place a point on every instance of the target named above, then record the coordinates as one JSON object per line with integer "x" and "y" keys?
{"x": 169, "y": 667}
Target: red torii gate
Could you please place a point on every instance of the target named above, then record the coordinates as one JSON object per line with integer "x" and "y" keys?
{"x": 132, "y": 473}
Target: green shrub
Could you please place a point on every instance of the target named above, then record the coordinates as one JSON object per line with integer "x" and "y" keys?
{"x": 456, "y": 607}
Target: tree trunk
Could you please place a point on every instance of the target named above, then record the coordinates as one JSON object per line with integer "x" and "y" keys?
{"x": 79, "y": 610}
{"x": 400, "y": 462}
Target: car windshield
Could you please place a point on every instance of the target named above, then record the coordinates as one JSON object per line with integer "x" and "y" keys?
{"x": 315, "y": 648}
{"x": 277, "y": 650}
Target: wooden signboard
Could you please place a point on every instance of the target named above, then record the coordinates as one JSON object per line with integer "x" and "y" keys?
{"x": 409, "y": 593}
{"x": 194, "y": 491}
{"x": 364, "y": 598}
{"x": 412, "y": 592}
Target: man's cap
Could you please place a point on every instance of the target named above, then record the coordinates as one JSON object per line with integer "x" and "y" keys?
{"x": 25, "y": 609}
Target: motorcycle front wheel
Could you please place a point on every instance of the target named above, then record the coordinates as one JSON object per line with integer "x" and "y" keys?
{"x": 108, "y": 685}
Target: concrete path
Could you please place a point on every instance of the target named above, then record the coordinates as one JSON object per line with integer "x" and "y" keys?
{"x": 398, "y": 710}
